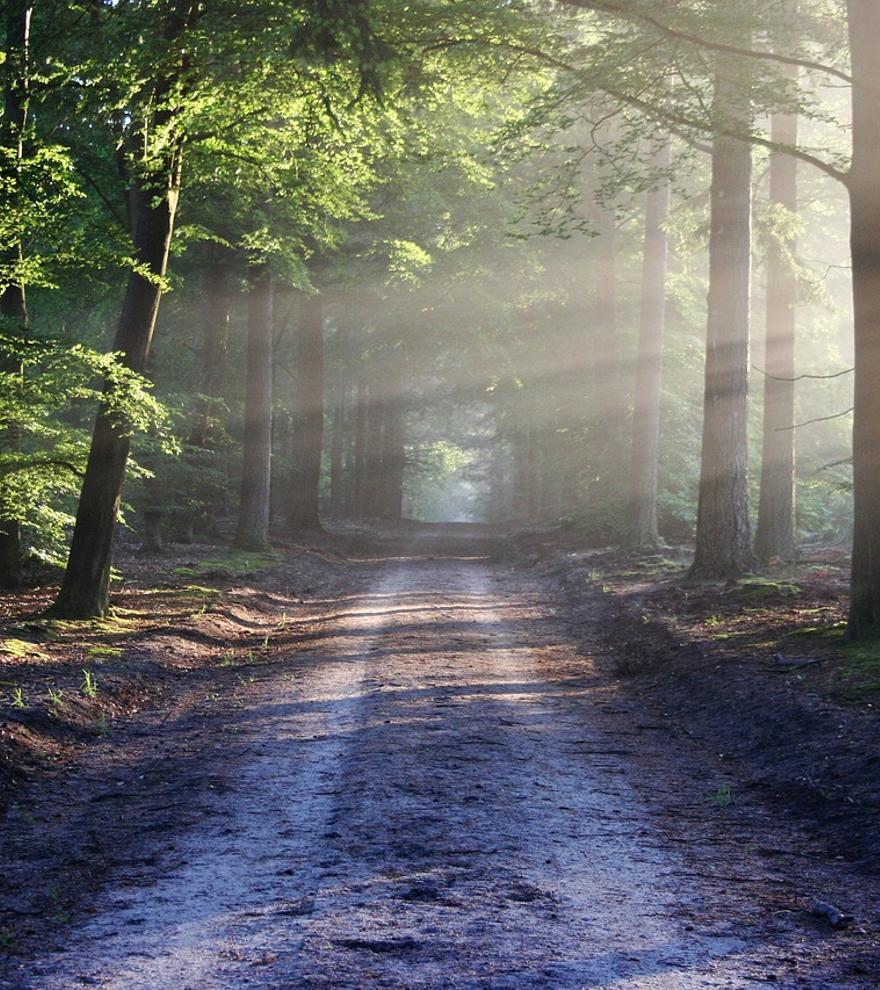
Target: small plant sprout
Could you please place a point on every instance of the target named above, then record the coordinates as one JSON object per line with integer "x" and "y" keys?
{"x": 55, "y": 699}
{"x": 18, "y": 698}
{"x": 228, "y": 658}
{"x": 89, "y": 686}
{"x": 266, "y": 642}
{"x": 723, "y": 797}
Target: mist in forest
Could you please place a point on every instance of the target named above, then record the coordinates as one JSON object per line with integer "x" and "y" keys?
{"x": 439, "y": 494}
{"x": 398, "y": 274}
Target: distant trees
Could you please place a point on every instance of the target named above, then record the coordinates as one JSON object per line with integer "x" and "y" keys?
{"x": 775, "y": 537}
{"x": 723, "y": 537}
{"x": 303, "y": 493}
{"x": 256, "y": 473}
{"x": 649, "y": 357}
{"x": 260, "y": 141}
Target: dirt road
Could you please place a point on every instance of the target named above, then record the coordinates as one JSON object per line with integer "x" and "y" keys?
{"x": 446, "y": 794}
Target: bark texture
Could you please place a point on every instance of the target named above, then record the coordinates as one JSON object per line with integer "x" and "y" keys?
{"x": 864, "y": 29}
{"x": 340, "y": 426}
{"x": 13, "y": 299}
{"x": 393, "y": 461}
{"x": 359, "y": 474}
{"x": 85, "y": 588}
{"x": 303, "y": 506}
{"x": 256, "y": 473}
{"x": 215, "y": 345}
{"x": 649, "y": 361}
{"x": 723, "y": 548}
{"x": 152, "y": 197}
{"x": 775, "y": 532}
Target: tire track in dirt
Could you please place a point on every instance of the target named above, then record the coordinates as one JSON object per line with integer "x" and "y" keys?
{"x": 445, "y": 796}
{"x": 477, "y": 849}
{"x": 227, "y": 903}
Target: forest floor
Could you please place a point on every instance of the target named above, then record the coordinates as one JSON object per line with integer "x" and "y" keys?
{"x": 406, "y": 762}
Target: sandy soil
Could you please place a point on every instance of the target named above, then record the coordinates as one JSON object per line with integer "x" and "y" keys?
{"x": 443, "y": 791}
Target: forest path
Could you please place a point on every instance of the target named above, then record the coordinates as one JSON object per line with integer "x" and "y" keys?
{"x": 447, "y": 794}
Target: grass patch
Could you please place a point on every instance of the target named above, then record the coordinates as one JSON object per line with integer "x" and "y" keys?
{"x": 101, "y": 652}
{"x": 833, "y": 634}
{"x": 20, "y": 649}
{"x": 861, "y": 668}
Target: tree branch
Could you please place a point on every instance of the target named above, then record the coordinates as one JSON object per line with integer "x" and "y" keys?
{"x": 650, "y": 110}
{"x": 43, "y": 462}
{"x": 818, "y": 419}
{"x": 619, "y": 10}
{"x": 776, "y": 378}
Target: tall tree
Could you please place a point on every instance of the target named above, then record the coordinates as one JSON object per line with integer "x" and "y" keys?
{"x": 359, "y": 473}
{"x": 215, "y": 343}
{"x": 152, "y": 162}
{"x": 13, "y": 300}
{"x": 723, "y": 543}
{"x": 340, "y": 426}
{"x": 393, "y": 459}
{"x": 649, "y": 359}
{"x": 303, "y": 511}
{"x": 252, "y": 532}
{"x": 775, "y": 532}
{"x": 864, "y": 33}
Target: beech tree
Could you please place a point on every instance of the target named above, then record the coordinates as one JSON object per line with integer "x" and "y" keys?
{"x": 303, "y": 513}
{"x": 13, "y": 304}
{"x": 864, "y": 35}
{"x": 649, "y": 361}
{"x": 775, "y": 533}
{"x": 723, "y": 539}
{"x": 253, "y": 509}
{"x": 484, "y": 174}
{"x": 151, "y": 162}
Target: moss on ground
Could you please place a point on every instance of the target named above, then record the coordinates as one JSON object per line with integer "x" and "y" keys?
{"x": 756, "y": 587}
{"x": 20, "y": 649}
{"x": 232, "y": 563}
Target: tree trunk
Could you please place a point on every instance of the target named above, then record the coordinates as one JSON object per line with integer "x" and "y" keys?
{"x": 864, "y": 29}
{"x": 215, "y": 344}
{"x": 521, "y": 484}
{"x": 531, "y": 471}
{"x": 151, "y": 531}
{"x": 393, "y": 461}
{"x": 303, "y": 509}
{"x": 373, "y": 466}
{"x": 649, "y": 361}
{"x": 13, "y": 301}
{"x": 86, "y": 585}
{"x": 775, "y": 533}
{"x": 253, "y": 512}
{"x": 206, "y": 438}
{"x": 359, "y": 498}
{"x": 723, "y": 529}
{"x": 608, "y": 384}
{"x": 340, "y": 426}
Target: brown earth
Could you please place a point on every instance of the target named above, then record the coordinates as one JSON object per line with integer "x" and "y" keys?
{"x": 409, "y": 766}
{"x": 755, "y": 671}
